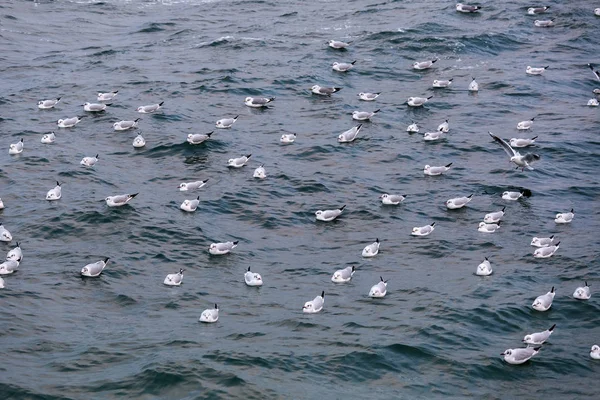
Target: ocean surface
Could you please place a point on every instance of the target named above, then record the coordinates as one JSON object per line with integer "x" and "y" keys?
{"x": 439, "y": 331}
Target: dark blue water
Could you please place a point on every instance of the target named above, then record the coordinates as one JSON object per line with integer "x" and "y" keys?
{"x": 439, "y": 331}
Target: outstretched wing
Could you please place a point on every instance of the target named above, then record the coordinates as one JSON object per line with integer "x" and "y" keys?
{"x": 509, "y": 150}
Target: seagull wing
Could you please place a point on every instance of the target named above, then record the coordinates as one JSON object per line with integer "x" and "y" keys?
{"x": 509, "y": 150}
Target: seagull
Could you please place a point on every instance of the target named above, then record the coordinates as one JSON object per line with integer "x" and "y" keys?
{"x": 94, "y": 269}
{"x": 349, "y": 135}
{"x": 581, "y": 293}
{"x": 190, "y": 205}
{"x": 287, "y": 138}
{"x": 392, "y": 199}
{"x": 593, "y": 103}
{"x": 488, "y": 228}
{"x": 89, "y": 161}
{"x": 371, "y": 250}
{"x": 258, "y": 102}
{"x": 210, "y": 315}
{"x": 184, "y": 186}
{"x": 418, "y": 65}
{"x": 542, "y": 242}
{"x": 149, "y": 108}
{"x": 522, "y": 161}
{"x": 379, "y": 290}
{"x": 494, "y": 217}
{"x": 324, "y": 91}
{"x": 107, "y": 96}
{"x": 69, "y": 122}
{"x": 485, "y": 268}
{"x": 595, "y": 352}
{"x": 218, "y": 249}
{"x": 546, "y": 23}
{"x": 315, "y": 305}
{"x": 49, "y": 138}
{"x": 329, "y": 215}
{"x": 252, "y": 278}
{"x": 1, "y": 283}
{"x": 518, "y": 142}
{"x": 444, "y": 127}
{"x": 596, "y": 73}
{"x": 537, "y": 10}
{"x": 5, "y": 235}
{"x": 524, "y": 125}
{"x": 432, "y": 136}
{"x": 343, "y": 275}
{"x": 473, "y": 86}
{"x": 434, "y": 171}
{"x": 238, "y": 162}
{"x": 343, "y": 67}
{"x": 546, "y": 252}
{"x": 139, "y": 141}
{"x": 1, "y": 205}
{"x": 539, "y": 337}
{"x": 466, "y": 8}
{"x": 174, "y": 279}
{"x": 544, "y": 302}
{"x": 47, "y": 104}
{"x": 442, "y": 83}
{"x": 226, "y": 123}
{"x": 513, "y": 196}
{"x": 458, "y": 202}
{"x": 54, "y": 194}
{"x": 119, "y": 200}
{"x": 197, "y": 138}
{"x": 94, "y": 107}
{"x": 413, "y": 128}
{"x": 536, "y": 71}
{"x": 597, "y": 12}
{"x": 519, "y": 356}
{"x": 417, "y": 101}
{"x": 423, "y": 230}
{"x": 260, "y": 172}
{"x": 564, "y": 218}
{"x": 336, "y": 44}
{"x": 15, "y": 253}
{"x": 9, "y": 266}
{"x": 368, "y": 96}
{"x": 124, "y": 125}
{"x": 16, "y": 148}
{"x": 363, "y": 115}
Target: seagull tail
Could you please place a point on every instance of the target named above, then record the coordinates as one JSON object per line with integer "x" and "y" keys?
{"x": 552, "y": 328}
{"x": 448, "y": 165}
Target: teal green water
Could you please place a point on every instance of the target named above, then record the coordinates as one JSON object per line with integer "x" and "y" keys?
{"x": 439, "y": 331}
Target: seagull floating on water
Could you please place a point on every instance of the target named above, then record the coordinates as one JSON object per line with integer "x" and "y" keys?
{"x": 444, "y": 126}
{"x": 564, "y": 218}
{"x": 210, "y": 315}
{"x": 5, "y": 235}
{"x": 464, "y": 8}
{"x": 219, "y": 249}
{"x": 435, "y": 170}
{"x": 329, "y": 215}
{"x": 519, "y": 142}
{"x": 537, "y": 10}
{"x": 442, "y": 83}
{"x": 226, "y": 123}
{"x": 372, "y": 249}
{"x": 258, "y": 102}
{"x": 89, "y": 161}
{"x": 543, "y": 241}
{"x": 417, "y": 101}
{"x": 94, "y": 269}
{"x": 55, "y": 193}
{"x": 94, "y": 107}
{"x": 458, "y": 202}
{"x": 544, "y": 302}
{"x": 423, "y": 230}
{"x": 139, "y": 141}
{"x": 16, "y": 148}
{"x": 485, "y": 268}
{"x": 546, "y": 23}
{"x": 174, "y": 279}
{"x": 536, "y": 70}
{"x": 287, "y": 138}
{"x": 150, "y": 108}
{"x": 252, "y": 278}
{"x": 124, "y": 125}
{"x": 48, "y": 138}
{"x": 512, "y": 196}
{"x": 324, "y": 91}
{"x": 583, "y": 292}
{"x": 363, "y": 115}
{"x": 343, "y": 67}
{"x": 69, "y": 122}
{"x": 195, "y": 185}
{"x": 368, "y": 96}
{"x": 338, "y": 45}
{"x": 48, "y": 104}
{"x": 547, "y": 251}
{"x": 539, "y": 337}
{"x": 391, "y": 199}
{"x": 473, "y": 86}
{"x": 349, "y": 135}
{"x": 260, "y": 172}
{"x": 379, "y": 289}
{"x": 494, "y": 217}
{"x": 519, "y": 356}
{"x": 119, "y": 200}
{"x": 190, "y": 205}
{"x": 412, "y": 128}
{"x": 595, "y": 352}
{"x": 593, "y": 103}
{"x": 418, "y": 65}
{"x": 343, "y": 275}
{"x": 524, "y": 125}
{"x": 197, "y": 138}
{"x": 9, "y": 266}
{"x": 314, "y": 306}
{"x": 107, "y": 96}
{"x": 432, "y": 136}
{"x": 15, "y": 253}
{"x": 488, "y": 228}
{"x": 238, "y": 162}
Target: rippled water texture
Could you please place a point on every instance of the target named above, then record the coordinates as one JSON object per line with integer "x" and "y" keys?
{"x": 439, "y": 331}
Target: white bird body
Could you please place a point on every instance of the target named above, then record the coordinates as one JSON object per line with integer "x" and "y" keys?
{"x": 544, "y": 302}
{"x": 94, "y": 107}
{"x": 418, "y": 65}
{"x": 260, "y": 172}
{"x": 488, "y": 228}
{"x": 349, "y": 135}
{"x": 417, "y": 101}
{"x": 287, "y": 138}
{"x": 55, "y": 193}
{"x": 537, "y": 10}
{"x": 5, "y": 235}
{"x": 535, "y": 70}
{"x": 539, "y": 337}
{"x": 106, "y": 96}
{"x": 413, "y": 128}
{"x": 519, "y": 142}
{"x": 69, "y": 122}
{"x": 485, "y": 268}
{"x": 125, "y": 125}
{"x": 564, "y": 218}
{"x": 258, "y": 102}
{"x": 392, "y": 199}
{"x": 1, "y": 283}
{"x": 363, "y": 115}
{"x": 94, "y": 269}
{"x": 525, "y": 125}
{"x": 139, "y": 141}
{"x": 442, "y": 83}
{"x": 238, "y": 162}
{"x": 583, "y": 292}
{"x": 47, "y": 104}
{"x": 473, "y": 86}
{"x": 368, "y": 96}
{"x": 523, "y": 161}
{"x": 218, "y": 249}
{"x": 458, "y": 202}
{"x": 197, "y": 138}
{"x": 15, "y": 253}
{"x": 185, "y": 186}
{"x": 444, "y": 127}
{"x": 252, "y": 278}
{"x": 119, "y": 200}
{"x": 543, "y": 241}
{"x": 432, "y": 136}
{"x": 546, "y": 23}
{"x": 546, "y": 252}
{"x": 343, "y": 275}
{"x": 436, "y": 170}
{"x": 210, "y": 315}
{"x": 595, "y": 352}
{"x": 49, "y": 138}
{"x": 372, "y": 249}
{"x": 593, "y": 103}
{"x": 149, "y": 108}
{"x": 226, "y": 123}
{"x": 16, "y": 148}
{"x": 519, "y": 356}
{"x": 329, "y": 215}
{"x": 423, "y": 230}
{"x": 324, "y": 91}
{"x": 494, "y": 217}
{"x": 513, "y": 196}
{"x": 174, "y": 279}
{"x": 1, "y": 205}
{"x": 379, "y": 289}
{"x": 464, "y": 8}
{"x": 342, "y": 67}
{"x": 338, "y": 45}
{"x": 190, "y": 205}
{"x": 315, "y": 305}
{"x": 9, "y": 266}
{"x": 89, "y": 161}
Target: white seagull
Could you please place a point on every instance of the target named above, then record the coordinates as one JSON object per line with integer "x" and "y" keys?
{"x": 49, "y": 138}
{"x": 539, "y": 337}
{"x": 442, "y": 83}
{"x": 287, "y": 138}
{"x": 417, "y": 101}
{"x": 363, "y": 115}
{"x": 55, "y": 193}
{"x": 485, "y": 268}
{"x": 379, "y": 289}
{"x": 124, "y": 125}
{"x": 9, "y": 266}
{"x": 349, "y": 135}
{"x": 197, "y": 138}
{"x": 423, "y": 230}
{"x": 94, "y": 269}
{"x": 174, "y": 279}
{"x": 15, "y": 253}
{"x": 149, "y": 108}
{"x": 69, "y": 122}
{"x": 581, "y": 293}
{"x": 218, "y": 249}
{"x": 210, "y": 315}
{"x": 512, "y": 196}
{"x": 544, "y": 23}
{"x": 458, "y": 202}
{"x": 139, "y": 141}
{"x": 119, "y": 200}
{"x": 537, "y": 10}
{"x": 418, "y": 65}
{"x": 338, "y": 45}
{"x": 546, "y": 252}
{"x": 413, "y": 128}
{"x": 536, "y": 70}
{"x": 372, "y": 249}
{"x": 260, "y": 172}
{"x": 564, "y": 218}
{"x": 343, "y": 275}
{"x": 252, "y": 278}
{"x": 238, "y": 162}
{"x": 190, "y": 205}
{"x": 16, "y": 148}
{"x": 185, "y": 186}
{"x": 89, "y": 161}
{"x": 314, "y": 306}
{"x": 494, "y": 217}
{"x": 392, "y": 199}
{"x": 544, "y": 302}
{"x": 5, "y": 235}
{"x": 368, "y": 96}
{"x": 595, "y": 352}
{"x": 432, "y": 136}
{"x": 488, "y": 228}
{"x": 94, "y": 107}
{"x": 226, "y": 123}
{"x": 324, "y": 91}
{"x": 523, "y": 161}
{"x": 524, "y": 125}
{"x": 258, "y": 102}
{"x": 473, "y": 86}
{"x": 519, "y": 356}
{"x": 107, "y": 96}
{"x": 464, "y": 8}
{"x": 542, "y": 242}
{"x": 444, "y": 126}
{"x": 329, "y": 215}
{"x": 47, "y": 104}
{"x": 519, "y": 142}
{"x": 436, "y": 170}
{"x": 343, "y": 67}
